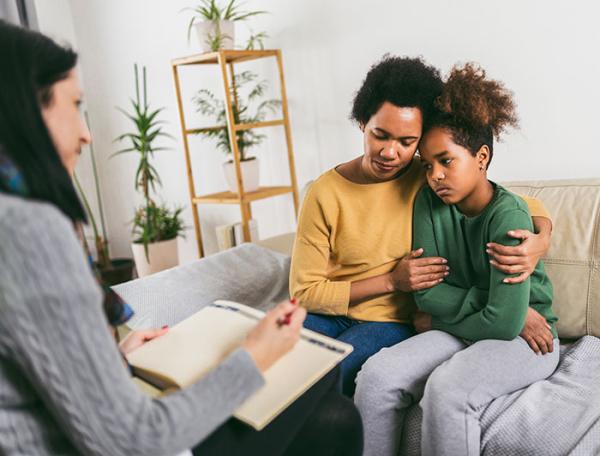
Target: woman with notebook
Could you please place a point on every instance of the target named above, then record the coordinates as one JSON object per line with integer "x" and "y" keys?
{"x": 64, "y": 388}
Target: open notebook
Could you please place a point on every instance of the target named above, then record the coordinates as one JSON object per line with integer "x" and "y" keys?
{"x": 199, "y": 343}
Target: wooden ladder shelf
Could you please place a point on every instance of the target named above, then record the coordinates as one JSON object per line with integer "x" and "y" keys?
{"x": 224, "y": 59}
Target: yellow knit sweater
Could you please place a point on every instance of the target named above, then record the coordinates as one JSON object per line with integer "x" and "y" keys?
{"x": 348, "y": 232}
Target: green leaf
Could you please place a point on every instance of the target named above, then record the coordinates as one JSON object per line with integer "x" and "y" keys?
{"x": 148, "y": 128}
{"x": 244, "y": 16}
{"x": 258, "y": 90}
{"x": 189, "y": 28}
{"x": 229, "y": 9}
{"x": 153, "y": 114}
{"x": 123, "y": 151}
{"x": 132, "y": 118}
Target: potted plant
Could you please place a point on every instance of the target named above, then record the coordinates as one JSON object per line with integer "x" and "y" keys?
{"x": 155, "y": 229}
{"x": 215, "y": 25}
{"x": 155, "y": 226}
{"x": 243, "y": 112}
{"x": 111, "y": 271}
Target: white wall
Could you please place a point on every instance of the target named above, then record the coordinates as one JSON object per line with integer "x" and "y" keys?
{"x": 545, "y": 51}
{"x": 9, "y": 12}
{"x": 54, "y": 18}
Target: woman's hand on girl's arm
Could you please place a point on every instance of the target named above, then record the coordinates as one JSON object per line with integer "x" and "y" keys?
{"x": 537, "y": 333}
{"x": 410, "y": 274}
{"x": 523, "y": 258}
{"x": 138, "y": 338}
{"x": 413, "y": 273}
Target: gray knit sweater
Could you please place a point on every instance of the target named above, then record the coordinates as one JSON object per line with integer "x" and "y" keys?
{"x": 63, "y": 387}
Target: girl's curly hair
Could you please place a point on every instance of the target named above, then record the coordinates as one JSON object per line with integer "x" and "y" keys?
{"x": 474, "y": 109}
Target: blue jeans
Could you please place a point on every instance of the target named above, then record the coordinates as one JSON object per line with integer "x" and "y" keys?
{"x": 367, "y": 338}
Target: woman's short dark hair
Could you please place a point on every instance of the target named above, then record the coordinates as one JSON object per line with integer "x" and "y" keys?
{"x": 402, "y": 81}
{"x": 31, "y": 64}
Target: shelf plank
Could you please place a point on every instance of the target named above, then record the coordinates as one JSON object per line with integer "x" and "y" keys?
{"x": 230, "y": 56}
{"x": 195, "y": 131}
{"x": 238, "y": 127}
{"x": 250, "y": 126}
{"x": 234, "y": 198}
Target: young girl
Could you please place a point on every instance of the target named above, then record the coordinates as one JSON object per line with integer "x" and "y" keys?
{"x": 470, "y": 351}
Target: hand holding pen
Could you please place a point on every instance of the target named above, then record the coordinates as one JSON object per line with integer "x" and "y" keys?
{"x": 276, "y": 334}
{"x": 287, "y": 318}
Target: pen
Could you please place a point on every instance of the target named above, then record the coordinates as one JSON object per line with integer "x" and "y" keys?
{"x": 287, "y": 318}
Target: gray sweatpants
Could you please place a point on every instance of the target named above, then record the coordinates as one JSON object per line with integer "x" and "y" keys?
{"x": 453, "y": 381}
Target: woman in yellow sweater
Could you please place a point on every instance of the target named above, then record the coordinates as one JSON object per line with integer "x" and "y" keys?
{"x": 352, "y": 265}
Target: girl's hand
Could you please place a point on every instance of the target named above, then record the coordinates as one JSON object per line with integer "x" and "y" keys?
{"x": 138, "y": 338}
{"x": 422, "y": 321}
{"x": 413, "y": 273}
{"x": 275, "y": 335}
{"x": 537, "y": 333}
{"x": 520, "y": 259}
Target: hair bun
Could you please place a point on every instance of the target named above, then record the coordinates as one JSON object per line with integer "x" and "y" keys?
{"x": 476, "y": 102}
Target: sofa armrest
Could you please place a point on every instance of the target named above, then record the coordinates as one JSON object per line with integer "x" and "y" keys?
{"x": 284, "y": 243}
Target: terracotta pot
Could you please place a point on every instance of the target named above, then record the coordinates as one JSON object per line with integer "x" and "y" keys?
{"x": 161, "y": 255}
{"x": 250, "y": 175}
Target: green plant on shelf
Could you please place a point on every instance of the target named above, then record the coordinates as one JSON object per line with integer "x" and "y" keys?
{"x": 243, "y": 112}
{"x": 216, "y": 40}
{"x": 210, "y": 11}
{"x": 256, "y": 41}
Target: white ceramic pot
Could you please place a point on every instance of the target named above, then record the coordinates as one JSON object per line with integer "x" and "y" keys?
{"x": 250, "y": 175}
{"x": 207, "y": 29}
{"x": 161, "y": 255}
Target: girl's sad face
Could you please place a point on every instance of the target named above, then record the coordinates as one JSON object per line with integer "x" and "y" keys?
{"x": 454, "y": 173}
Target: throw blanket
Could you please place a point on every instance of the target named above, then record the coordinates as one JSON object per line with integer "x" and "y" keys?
{"x": 248, "y": 274}
{"x": 555, "y": 417}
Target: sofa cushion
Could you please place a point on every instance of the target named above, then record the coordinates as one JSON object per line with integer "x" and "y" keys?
{"x": 283, "y": 243}
{"x": 573, "y": 261}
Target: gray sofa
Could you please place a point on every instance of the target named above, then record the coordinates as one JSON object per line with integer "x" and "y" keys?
{"x": 558, "y": 416}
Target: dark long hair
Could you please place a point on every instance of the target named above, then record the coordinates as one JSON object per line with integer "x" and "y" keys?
{"x": 31, "y": 64}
